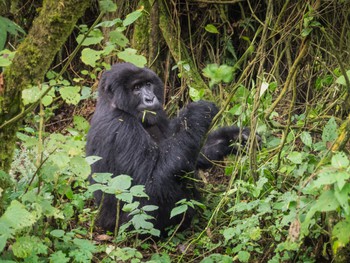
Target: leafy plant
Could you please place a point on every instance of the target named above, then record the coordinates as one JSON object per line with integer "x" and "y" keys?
{"x": 121, "y": 187}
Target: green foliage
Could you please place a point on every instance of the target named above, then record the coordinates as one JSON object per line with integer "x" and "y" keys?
{"x": 217, "y": 74}
{"x": 341, "y": 79}
{"x": 6, "y": 57}
{"x": 13, "y": 221}
{"x": 116, "y": 42}
{"x": 107, "y": 6}
{"x": 129, "y": 55}
{"x": 8, "y": 26}
{"x": 121, "y": 187}
{"x": 211, "y": 29}
{"x": 183, "y": 205}
{"x": 132, "y": 17}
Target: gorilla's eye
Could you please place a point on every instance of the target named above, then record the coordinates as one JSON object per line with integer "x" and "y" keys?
{"x": 148, "y": 84}
{"x": 137, "y": 87}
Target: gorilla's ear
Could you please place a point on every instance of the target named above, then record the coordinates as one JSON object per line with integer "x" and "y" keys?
{"x": 104, "y": 86}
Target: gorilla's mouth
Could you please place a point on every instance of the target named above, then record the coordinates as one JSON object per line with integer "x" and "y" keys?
{"x": 149, "y": 108}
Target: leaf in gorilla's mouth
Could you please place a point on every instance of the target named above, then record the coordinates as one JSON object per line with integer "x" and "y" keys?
{"x": 145, "y": 112}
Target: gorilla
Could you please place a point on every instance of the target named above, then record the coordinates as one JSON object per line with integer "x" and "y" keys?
{"x": 132, "y": 134}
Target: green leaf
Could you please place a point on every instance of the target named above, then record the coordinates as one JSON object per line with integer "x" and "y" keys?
{"x": 196, "y": 94}
{"x": 139, "y": 222}
{"x": 217, "y": 74}
{"x": 138, "y": 190}
{"x": 80, "y": 123}
{"x": 47, "y": 100}
{"x": 33, "y": 94}
{"x": 26, "y": 246}
{"x": 92, "y": 159}
{"x": 30, "y": 95}
{"x": 59, "y": 257}
{"x": 340, "y": 160}
{"x": 329, "y": 133}
{"x": 295, "y": 157}
{"x": 129, "y": 55}
{"x": 306, "y": 31}
{"x": 94, "y": 37}
{"x": 216, "y": 258}
{"x": 107, "y": 6}
{"x": 70, "y": 94}
{"x": 6, "y": 57}
{"x": 102, "y": 177}
{"x": 125, "y": 197}
{"x": 306, "y": 138}
{"x": 110, "y": 23}
{"x": 132, "y": 17}
{"x": 57, "y": 233}
{"x": 130, "y": 207}
{"x": 10, "y": 26}
{"x": 121, "y": 182}
{"x": 90, "y": 56}
{"x": 178, "y": 210}
{"x": 341, "y": 232}
{"x": 61, "y": 159}
{"x": 343, "y": 198}
{"x": 3, "y": 35}
{"x": 211, "y": 29}
{"x": 229, "y": 233}
{"x": 163, "y": 258}
{"x": 118, "y": 38}
{"x": 80, "y": 167}
{"x": 15, "y": 218}
{"x": 341, "y": 79}
{"x": 150, "y": 208}
{"x": 243, "y": 256}
{"x": 325, "y": 203}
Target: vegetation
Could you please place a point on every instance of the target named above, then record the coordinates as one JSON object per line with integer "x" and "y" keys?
{"x": 279, "y": 67}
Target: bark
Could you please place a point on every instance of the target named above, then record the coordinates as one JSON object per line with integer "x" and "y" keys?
{"x": 33, "y": 59}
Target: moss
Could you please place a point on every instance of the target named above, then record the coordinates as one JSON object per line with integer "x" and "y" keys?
{"x": 141, "y": 35}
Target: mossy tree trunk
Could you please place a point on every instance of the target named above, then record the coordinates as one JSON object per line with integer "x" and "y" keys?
{"x": 32, "y": 60}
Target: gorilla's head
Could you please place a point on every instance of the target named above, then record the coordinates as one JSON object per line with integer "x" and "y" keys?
{"x": 134, "y": 90}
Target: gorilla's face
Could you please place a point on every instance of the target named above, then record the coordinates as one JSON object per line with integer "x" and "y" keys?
{"x": 138, "y": 91}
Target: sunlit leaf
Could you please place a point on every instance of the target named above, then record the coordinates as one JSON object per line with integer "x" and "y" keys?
{"x": 90, "y": 56}
{"x": 178, "y": 210}
{"x": 129, "y": 55}
{"x": 132, "y": 17}
{"x": 329, "y": 133}
{"x": 340, "y": 160}
{"x": 107, "y": 6}
{"x": 211, "y": 29}
{"x": 341, "y": 79}
{"x": 306, "y": 138}
{"x": 70, "y": 94}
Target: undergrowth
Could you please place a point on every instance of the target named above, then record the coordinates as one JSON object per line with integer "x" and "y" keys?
{"x": 287, "y": 201}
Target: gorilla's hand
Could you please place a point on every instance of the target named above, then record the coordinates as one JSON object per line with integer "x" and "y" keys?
{"x": 207, "y": 109}
{"x": 245, "y": 137}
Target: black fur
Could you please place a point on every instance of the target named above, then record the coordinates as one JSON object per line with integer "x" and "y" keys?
{"x": 134, "y": 136}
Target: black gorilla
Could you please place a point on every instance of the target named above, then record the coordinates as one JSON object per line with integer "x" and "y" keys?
{"x": 133, "y": 135}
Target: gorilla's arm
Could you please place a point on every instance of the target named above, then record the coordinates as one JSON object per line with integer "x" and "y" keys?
{"x": 179, "y": 151}
{"x": 221, "y": 143}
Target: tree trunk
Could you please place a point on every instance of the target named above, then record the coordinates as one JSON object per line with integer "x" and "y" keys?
{"x": 32, "y": 60}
